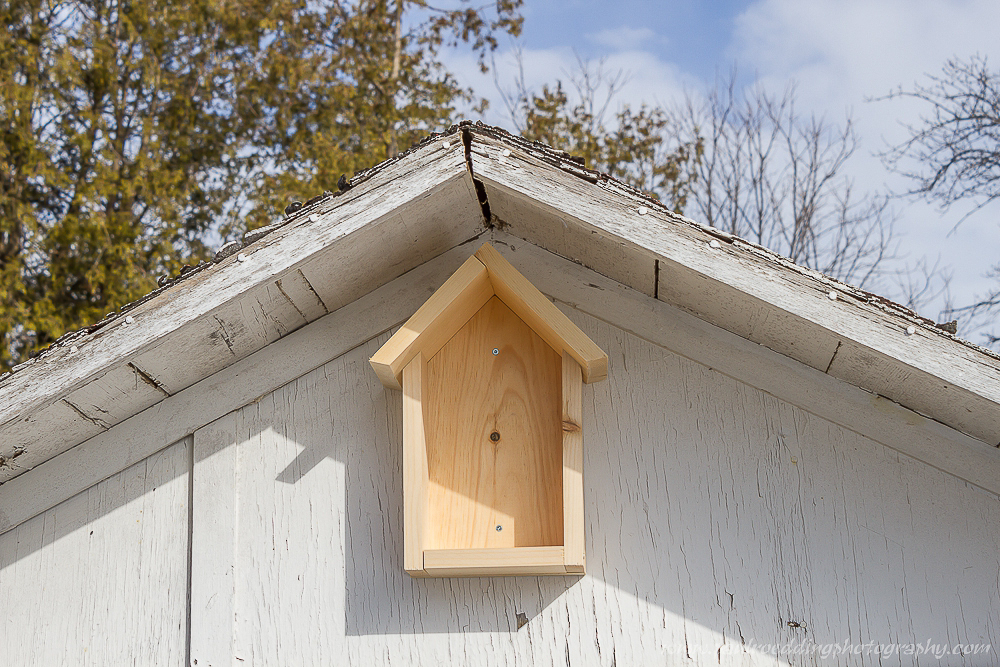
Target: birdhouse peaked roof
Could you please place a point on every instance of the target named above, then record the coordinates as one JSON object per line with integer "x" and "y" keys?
{"x": 482, "y": 276}
{"x": 355, "y": 263}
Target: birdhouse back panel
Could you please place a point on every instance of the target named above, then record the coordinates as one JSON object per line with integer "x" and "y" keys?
{"x": 494, "y": 437}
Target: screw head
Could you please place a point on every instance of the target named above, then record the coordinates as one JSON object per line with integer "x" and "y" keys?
{"x": 910, "y": 330}
{"x": 495, "y": 436}
{"x": 832, "y": 295}
{"x": 643, "y": 210}
{"x": 129, "y": 319}
{"x": 495, "y": 352}
{"x": 499, "y": 528}
{"x": 715, "y": 245}
{"x": 241, "y": 257}
{"x": 506, "y": 152}
{"x": 445, "y": 145}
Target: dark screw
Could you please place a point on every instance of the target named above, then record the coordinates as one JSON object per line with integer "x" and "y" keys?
{"x": 495, "y": 436}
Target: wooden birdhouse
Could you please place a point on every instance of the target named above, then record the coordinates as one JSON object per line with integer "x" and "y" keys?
{"x": 491, "y": 373}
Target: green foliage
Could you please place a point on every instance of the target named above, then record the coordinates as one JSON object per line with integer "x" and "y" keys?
{"x": 134, "y": 132}
{"x": 638, "y": 151}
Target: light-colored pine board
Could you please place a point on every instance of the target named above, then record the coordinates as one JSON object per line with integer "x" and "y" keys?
{"x": 214, "y": 543}
{"x": 494, "y": 562}
{"x": 543, "y": 317}
{"x": 435, "y": 321}
{"x": 101, "y": 579}
{"x": 477, "y": 485}
{"x": 572, "y": 478}
{"x": 414, "y": 466}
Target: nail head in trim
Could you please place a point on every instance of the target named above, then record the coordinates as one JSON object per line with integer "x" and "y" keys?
{"x": 506, "y": 152}
{"x": 714, "y": 244}
{"x": 241, "y": 257}
{"x": 910, "y": 330}
{"x": 643, "y": 210}
{"x": 832, "y": 295}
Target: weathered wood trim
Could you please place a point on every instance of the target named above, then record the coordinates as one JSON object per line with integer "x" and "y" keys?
{"x": 183, "y": 413}
{"x": 577, "y": 288}
{"x": 742, "y": 288}
{"x": 377, "y": 209}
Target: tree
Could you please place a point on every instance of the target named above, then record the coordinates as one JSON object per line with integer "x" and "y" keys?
{"x": 953, "y": 155}
{"x": 135, "y": 132}
{"x": 776, "y": 177}
{"x": 631, "y": 146}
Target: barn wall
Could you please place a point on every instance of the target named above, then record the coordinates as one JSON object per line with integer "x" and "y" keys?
{"x": 101, "y": 578}
{"x": 720, "y": 520}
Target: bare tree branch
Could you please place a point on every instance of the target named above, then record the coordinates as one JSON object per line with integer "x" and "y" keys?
{"x": 773, "y": 176}
{"x": 953, "y": 153}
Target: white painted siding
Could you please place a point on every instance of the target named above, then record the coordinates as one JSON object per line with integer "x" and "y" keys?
{"x": 101, "y": 578}
{"x": 717, "y": 515}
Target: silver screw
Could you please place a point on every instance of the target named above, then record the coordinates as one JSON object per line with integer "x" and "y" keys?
{"x": 495, "y": 352}
{"x": 643, "y": 210}
{"x": 910, "y": 330}
{"x": 499, "y": 528}
{"x": 832, "y": 295}
{"x": 129, "y": 319}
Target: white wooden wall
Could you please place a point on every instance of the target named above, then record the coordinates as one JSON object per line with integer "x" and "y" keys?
{"x": 101, "y": 578}
{"x": 717, "y": 516}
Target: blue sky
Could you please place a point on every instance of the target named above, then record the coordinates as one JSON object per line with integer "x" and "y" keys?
{"x": 840, "y": 53}
{"x": 692, "y": 35}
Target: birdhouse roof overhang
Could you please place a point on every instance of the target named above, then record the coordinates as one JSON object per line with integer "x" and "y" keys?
{"x": 483, "y": 276}
{"x": 141, "y": 376}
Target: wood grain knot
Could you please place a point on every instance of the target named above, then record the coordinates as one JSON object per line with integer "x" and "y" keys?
{"x": 570, "y": 426}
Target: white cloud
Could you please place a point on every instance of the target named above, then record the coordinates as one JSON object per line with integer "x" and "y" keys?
{"x": 646, "y": 77}
{"x": 623, "y": 38}
{"x": 843, "y": 53}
